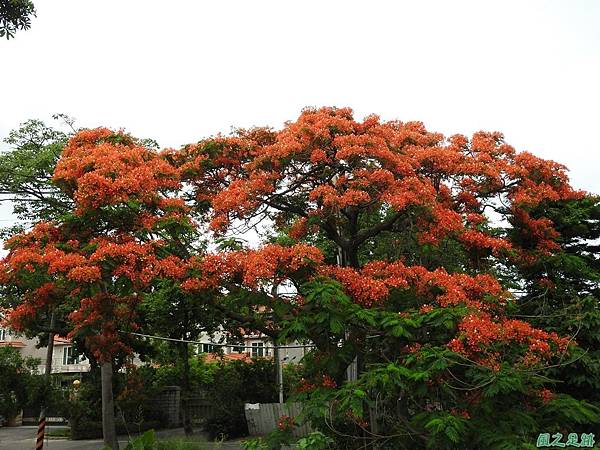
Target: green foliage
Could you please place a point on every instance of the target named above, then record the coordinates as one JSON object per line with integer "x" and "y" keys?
{"x": 562, "y": 294}
{"x": 401, "y": 243}
{"x": 421, "y": 397}
{"x": 446, "y": 430}
{"x": 255, "y": 444}
{"x": 186, "y": 443}
{"x": 15, "y": 15}
{"x": 227, "y": 385}
{"x": 564, "y": 409}
{"x": 234, "y": 384}
{"x": 26, "y": 172}
{"x": 283, "y": 439}
{"x": 314, "y": 441}
{"x": 273, "y": 441}
{"x": 414, "y": 397}
{"x": 146, "y": 441}
{"x": 201, "y": 373}
{"x": 329, "y": 312}
{"x": 149, "y": 441}
{"x": 133, "y": 393}
{"x": 168, "y": 312}
{"x": 19, "y": 382}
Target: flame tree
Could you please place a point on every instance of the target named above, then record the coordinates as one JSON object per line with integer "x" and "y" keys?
{"x": 94, "y": 260}
{"x": 387, "y": 244}
{"x": 400, "y": 243}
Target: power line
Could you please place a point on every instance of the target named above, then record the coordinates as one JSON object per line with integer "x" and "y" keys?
{"x": 162, "y": 338}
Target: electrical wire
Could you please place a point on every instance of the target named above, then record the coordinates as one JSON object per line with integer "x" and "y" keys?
{"x": 163, "y": 338}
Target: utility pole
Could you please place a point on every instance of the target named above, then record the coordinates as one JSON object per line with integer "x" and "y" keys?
{"x": 276, "y": 353}
{"x": 278, "y": 371}
{"x": 39, "y": 443}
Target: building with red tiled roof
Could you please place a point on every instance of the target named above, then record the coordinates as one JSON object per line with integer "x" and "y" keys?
{"x": 64, "y": 360}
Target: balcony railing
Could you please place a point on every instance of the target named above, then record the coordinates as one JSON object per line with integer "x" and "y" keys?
{"x": 59, "y": 367}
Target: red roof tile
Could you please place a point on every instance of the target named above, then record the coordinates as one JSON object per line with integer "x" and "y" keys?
{"x": 17, "y": 344}
{"x": 211, "y": 357}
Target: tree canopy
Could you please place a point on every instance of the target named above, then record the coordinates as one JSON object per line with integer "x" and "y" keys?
{"x": 459, "y": 274}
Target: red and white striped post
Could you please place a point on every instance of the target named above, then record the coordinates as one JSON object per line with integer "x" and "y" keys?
{"x": 39, "y": 442}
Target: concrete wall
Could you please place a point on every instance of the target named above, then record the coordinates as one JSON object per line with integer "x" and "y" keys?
{"x": 169, "y": 401}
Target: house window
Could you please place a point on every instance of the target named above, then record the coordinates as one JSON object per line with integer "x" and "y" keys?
{"x": 208, "y": 348}
{"x": 69, "y": 356}
{"x": 3, "y": 334}
{"x": 237, "y": 349}
{"x": 258, "y": 349}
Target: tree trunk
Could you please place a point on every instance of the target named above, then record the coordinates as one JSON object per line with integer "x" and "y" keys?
{"x": 109, "y": 431}
{"x": 185, "y": 390}
{"x": 349, "y": 258}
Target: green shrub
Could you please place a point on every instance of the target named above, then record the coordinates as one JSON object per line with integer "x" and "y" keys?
{"x": 179, "y": 444}
{"x": 201, "y": 374}
{"x": 148, "y": 441}
{"x": 86, "y": 430}
{"x": 19, "y": 383}
{"x": 227, "y": 385}
{"x": 236, "y": 383}
{"x": 135, "y": 411}
{"x": 314, "y": 441}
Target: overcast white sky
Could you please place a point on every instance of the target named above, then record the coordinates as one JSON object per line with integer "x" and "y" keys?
{"x": 178, "y": 71}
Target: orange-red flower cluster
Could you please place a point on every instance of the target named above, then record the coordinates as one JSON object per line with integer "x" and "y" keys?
{"x": 479, "y": 332}
{"x": 371, "y": 284}
{"x": 325, "y": 382}
{"x": 100, "y": 168}
{"x": 286, "y": 423}
{"x": 546, "y": 395}
{"x": 251, "y": 268}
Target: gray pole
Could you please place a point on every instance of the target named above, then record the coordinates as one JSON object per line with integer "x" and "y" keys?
{"x": 277, "y": 357}
{"x": 278, "y": 371}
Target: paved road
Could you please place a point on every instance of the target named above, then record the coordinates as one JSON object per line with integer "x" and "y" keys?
{"x": 23, "y": 438}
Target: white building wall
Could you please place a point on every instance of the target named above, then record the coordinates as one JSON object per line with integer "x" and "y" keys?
{"x": 29, "y": 348}
{"x": 293, "y": 354}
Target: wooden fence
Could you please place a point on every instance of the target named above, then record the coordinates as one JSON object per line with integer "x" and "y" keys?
{"x": 262, "y": 418}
